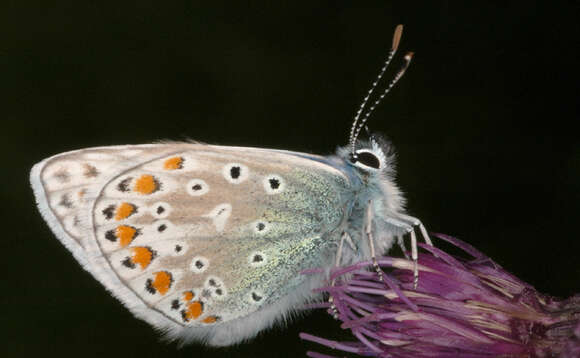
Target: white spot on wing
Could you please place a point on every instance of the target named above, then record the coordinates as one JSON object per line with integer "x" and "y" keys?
{"x": 273, "y": 184}
{"x": 163, "y": 227}
{"x": 197, "y": 187}
{"x": 235, "y": 173}
{"x": 216, "y": 287}
{"x": 213, "y": 281}
{"x": 199, "y": 264}
{"x": 179, "y": 248}
{"x": 160, "y": 210}
{"x": 220, "y": 215}
{"x": 260, "y": 227}
{"x": 219, "y": 293}
{"x": 257, "y": 259}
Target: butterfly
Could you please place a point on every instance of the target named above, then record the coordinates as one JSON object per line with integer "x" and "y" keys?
{"x": 207, "y": 243}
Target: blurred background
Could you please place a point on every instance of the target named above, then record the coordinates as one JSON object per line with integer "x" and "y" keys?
{"x": 484, "y": 123}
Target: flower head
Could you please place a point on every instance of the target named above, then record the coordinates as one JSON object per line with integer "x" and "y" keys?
{"x": 460, "y": 308}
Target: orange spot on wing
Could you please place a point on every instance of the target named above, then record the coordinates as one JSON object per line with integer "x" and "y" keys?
{"x": 146, "y": 184}
{"x": 173, "y": 163}
{"x": 210, "y": 319}
{"x": 194, "y": 310}
{"x": 142, "y": 256}
{"x": 188, "y": 296}
{"x": 162, "y": 281}
{"x": 124, "y": 211}
{"x": 126, "y": 234}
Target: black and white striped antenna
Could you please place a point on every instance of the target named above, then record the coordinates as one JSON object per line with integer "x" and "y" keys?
{"x": 356, "y": 126}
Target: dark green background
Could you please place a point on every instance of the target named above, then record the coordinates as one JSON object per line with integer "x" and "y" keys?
{"x": 484, "y": 123}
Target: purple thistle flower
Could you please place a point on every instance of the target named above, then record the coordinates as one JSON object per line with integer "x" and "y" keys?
{"x": 461, "y": 308}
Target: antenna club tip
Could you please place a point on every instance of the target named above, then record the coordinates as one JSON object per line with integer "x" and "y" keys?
{"x": 409, "y": 56}
{"x": 397, "y": 37}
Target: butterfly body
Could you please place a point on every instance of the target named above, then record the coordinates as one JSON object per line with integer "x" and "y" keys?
{"x": 207, "y": 242}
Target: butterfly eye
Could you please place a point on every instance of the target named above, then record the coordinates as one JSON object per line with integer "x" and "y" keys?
{"x": 367, "y": 159}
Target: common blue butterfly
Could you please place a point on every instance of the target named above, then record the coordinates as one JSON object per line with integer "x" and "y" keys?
{"x": 207, "y": 243}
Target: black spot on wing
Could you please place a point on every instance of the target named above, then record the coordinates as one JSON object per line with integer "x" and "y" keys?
{"x": 90, "y": 171}
{"x": 110, "y": 235}
{"x": 109, "y": 211}
{"x": 235, "y": 172}
{"x": 65, "y": 201}
{"x": 127, "y": 262}
{"x": 256, "y": 297}
{"x": 149, "y": 286}
{"x": 274, "y": 183}
{"x": 123, "y": 186}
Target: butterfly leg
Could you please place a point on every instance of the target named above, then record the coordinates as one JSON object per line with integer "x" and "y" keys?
{"x": 414, "y": 251}
{"x": 416, "y": 222}
{"x": 401, "y": 244}
{"x": 369, "y": 234}
{"x": 345, "y": 237}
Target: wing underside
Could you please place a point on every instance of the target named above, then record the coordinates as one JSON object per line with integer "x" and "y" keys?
{"x": 193, "y": 236}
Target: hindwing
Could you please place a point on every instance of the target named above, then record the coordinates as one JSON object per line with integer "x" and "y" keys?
{"x": 193, "y": 237}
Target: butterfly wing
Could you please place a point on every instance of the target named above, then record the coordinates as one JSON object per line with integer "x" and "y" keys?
{"x": 204, "y": 242}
